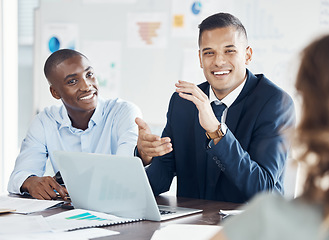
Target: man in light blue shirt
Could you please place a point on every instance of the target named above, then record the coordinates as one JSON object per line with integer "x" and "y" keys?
{"x": 84, "y": 123}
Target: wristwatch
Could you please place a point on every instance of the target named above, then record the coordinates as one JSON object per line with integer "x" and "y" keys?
{"x": 219, "y": 133}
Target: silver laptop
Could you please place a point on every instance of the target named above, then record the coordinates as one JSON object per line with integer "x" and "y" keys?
{"x": 112, "y": 184}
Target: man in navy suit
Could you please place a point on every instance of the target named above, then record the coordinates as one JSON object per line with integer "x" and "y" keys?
{"x": 225, "y": 138}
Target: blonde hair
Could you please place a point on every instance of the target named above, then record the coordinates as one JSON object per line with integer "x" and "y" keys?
{"x": 313, "y": 131}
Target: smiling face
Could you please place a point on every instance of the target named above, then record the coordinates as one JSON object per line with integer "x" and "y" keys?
{"x": 223, "y": 56}
{"x": 73, "y": 82}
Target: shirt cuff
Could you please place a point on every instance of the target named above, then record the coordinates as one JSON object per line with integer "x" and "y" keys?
{"x": 20, "y": 189}
{"x": 136, "y": 154}
{"x": 211, "y": 144}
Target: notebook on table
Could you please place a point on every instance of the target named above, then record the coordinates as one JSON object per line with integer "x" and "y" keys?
{"x": 112, "y": 184}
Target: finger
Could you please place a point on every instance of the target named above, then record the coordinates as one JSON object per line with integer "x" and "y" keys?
{"x": 191, "y": 98}
{"x": 184, "y": 84}
{"x": 158, "y": 151}
{"x": 47, "y": 195}
{"x": 62, "y": 191}
{"x": 65, "y": 190}
{"x": 49, "y": 184}
{"x": 181, "y": 82}
{"x": 193, "y": 90}
{"x": 188, "y": 85}
{"x": 162, "y": 151}
{"x": 55, "y": 186}
{"x": 44, "y": 194}
{"x": 39, "y": 196}
{"x": 142, "y": 125}
{"x": 155, "y": 143}
{"x": 165, "y": 151}
{"x": 153, "y": 138}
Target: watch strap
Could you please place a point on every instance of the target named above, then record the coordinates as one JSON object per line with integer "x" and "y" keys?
{"x": 216, "y": 134}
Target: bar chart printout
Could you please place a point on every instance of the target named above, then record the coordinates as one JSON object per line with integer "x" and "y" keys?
{"x": 86, "y": 216}
{"x": 80, "y": 218}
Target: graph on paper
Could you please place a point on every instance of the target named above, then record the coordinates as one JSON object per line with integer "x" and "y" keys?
{"x": 86, "y": 216}
{"x": 79, "y": 218}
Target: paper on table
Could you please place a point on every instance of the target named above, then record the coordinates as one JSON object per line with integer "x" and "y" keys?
{"x": 186, "y": 231}
{"x": 6, "y": 210}
{"x": 230, "y": 212}
{"x": 83, "y": 234}
{"x": 79, "y": 218}
{"x": 26, "y": 205}
{"x": 14, "y": 224}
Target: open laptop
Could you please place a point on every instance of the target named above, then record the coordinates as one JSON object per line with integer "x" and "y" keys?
{"x": 112, "y": 184}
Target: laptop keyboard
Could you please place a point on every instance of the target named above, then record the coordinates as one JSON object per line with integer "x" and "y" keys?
{"x": 165, "y": 212}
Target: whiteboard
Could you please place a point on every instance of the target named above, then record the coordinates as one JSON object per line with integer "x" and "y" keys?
{"x": 145, "y": 75}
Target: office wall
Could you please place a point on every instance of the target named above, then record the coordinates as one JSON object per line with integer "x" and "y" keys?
{"x": 145, "y": 74}
{"x": 8, "y": 89}
{"x": 1, "y": 107}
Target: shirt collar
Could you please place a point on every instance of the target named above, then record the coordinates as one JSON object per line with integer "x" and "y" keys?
{"x": 95, "y": 119}
{"x": 98, "y": 114}
{"x": 230, "y": 98}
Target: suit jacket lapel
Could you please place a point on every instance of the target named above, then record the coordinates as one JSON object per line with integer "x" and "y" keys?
{"x": 234, "y": 111}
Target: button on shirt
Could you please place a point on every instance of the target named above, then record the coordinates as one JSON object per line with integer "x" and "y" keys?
{"x": 111, "y": 130}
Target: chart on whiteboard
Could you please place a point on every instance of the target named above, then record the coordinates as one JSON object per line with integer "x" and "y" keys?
{"x": 147, "y": 30}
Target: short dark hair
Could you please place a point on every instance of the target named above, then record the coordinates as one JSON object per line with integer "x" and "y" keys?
{"x": 221, "y": 20}
{"x": 57, "y": 57}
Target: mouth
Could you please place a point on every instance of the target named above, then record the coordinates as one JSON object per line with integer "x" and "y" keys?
{"x": 221, "y": 73}
{"x": 88, "y": 96}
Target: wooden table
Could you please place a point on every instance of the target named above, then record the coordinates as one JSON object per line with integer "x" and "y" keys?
{"x": 144, "y": 230}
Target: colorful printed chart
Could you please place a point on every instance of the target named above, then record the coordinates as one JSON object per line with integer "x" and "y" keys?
{"x": 147, "y": 30}
{"x": 86, "y": 216}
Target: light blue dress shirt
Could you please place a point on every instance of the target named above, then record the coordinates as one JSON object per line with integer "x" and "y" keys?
{"x": 111, "y": 130}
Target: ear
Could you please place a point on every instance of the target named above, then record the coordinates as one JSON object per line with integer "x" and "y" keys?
{"x": 200, "y": 59}
{"x": 248, "y": 55}
{"x": 54, "y": 93}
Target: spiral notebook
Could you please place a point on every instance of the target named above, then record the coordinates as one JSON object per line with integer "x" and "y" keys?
{"x": 80, "y": 218}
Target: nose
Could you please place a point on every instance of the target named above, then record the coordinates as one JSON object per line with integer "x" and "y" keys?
{"x": 85, "y": 85}
{"x": 220, "y": 59}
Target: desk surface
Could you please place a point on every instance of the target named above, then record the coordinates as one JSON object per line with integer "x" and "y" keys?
{"x": 145, "y": 229}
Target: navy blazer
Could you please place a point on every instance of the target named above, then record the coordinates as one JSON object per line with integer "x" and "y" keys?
{"x": 250, "y": 158}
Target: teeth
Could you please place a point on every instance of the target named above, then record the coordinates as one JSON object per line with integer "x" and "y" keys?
{"x": 87, "y": 97}
{"x": 221, "y": 72}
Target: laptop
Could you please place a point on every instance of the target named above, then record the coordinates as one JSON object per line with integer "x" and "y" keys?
{"x": 112, "y": 184}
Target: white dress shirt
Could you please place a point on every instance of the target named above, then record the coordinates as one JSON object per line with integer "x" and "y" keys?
{"x": 228, "y": 100}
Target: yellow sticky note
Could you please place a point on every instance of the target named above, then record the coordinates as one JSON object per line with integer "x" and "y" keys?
{"x": 178, "y": 21}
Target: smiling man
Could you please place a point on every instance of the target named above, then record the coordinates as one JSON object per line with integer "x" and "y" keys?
{"x": 224, "y": 139}
{"x": 84, "y": 123}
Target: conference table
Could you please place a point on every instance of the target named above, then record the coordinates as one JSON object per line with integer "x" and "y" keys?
{"x": 144, "y": 230}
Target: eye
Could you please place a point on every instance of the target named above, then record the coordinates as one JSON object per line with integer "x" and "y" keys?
{"x": 230, "y": 51}
{"x": 208, "y": 53}
{"x": 72, "y": 82}
{"x": 89, "y": 74}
